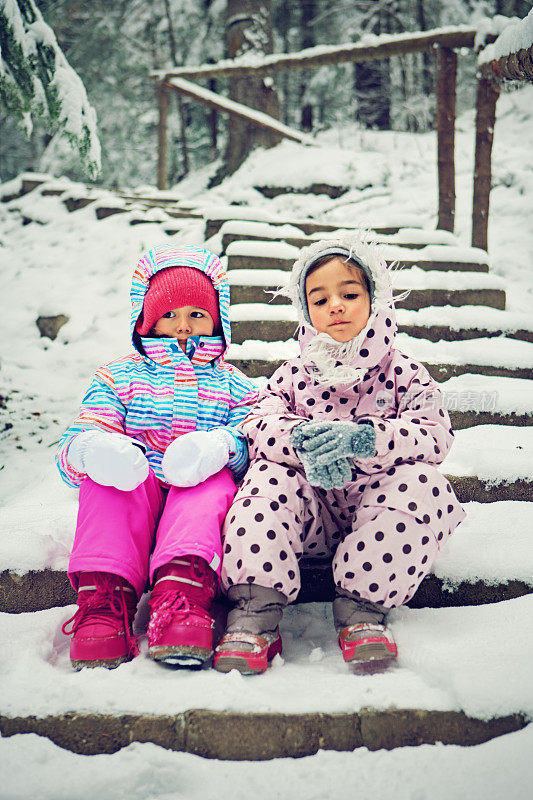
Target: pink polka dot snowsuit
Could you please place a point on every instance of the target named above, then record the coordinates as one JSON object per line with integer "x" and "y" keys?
{"x": 384, "y": 528}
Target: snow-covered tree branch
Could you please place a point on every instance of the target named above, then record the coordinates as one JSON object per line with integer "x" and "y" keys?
{"x": 36, "y": 80}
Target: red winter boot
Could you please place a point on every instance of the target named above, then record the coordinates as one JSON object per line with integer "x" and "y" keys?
{"x": 180, "y": 631}
{"x": 102, "y": 624}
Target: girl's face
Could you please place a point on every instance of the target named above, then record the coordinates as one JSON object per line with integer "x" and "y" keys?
{"x": 180, "y": 323}
{"x": 338, "y": 300}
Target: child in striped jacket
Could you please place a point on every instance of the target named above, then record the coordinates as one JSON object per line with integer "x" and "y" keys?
{"x": 156, "y": 451}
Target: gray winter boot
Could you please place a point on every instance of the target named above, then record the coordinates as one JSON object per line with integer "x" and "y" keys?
{"x": 252, "y": 636}
{"x": 362, "y": 634}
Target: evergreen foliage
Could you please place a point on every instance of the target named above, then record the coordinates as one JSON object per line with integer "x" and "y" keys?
{"x": 36, "y": 81}
{"x": 113, "y": 46}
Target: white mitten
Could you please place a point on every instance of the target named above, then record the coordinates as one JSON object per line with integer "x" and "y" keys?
{"x": 194, "y": 457}
{"x": 110, "y": 459}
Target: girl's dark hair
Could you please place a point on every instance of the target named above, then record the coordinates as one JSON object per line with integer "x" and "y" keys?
{"x": 348, "y": 261}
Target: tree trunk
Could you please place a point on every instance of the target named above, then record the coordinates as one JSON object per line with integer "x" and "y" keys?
{"x": 427, "y": 72}
{"x": 249, "y": 30}
{"x": 372, "y": 85}
{"x": 181, "y": 107}
{"x": 212, "y": 83}
{"x": 282, "y": 23}
{"x": 307, "y": 40}
{"x": 162, "y": 103}
{"x": 445, "y": 123}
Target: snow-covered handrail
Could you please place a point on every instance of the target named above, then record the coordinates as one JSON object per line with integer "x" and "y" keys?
{"x": 511, "y": 55}
{"x": 258, "y": 118}
{"x": 369, "y": 47}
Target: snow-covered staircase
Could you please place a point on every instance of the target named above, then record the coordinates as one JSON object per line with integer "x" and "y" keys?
{"x": 464, "y": 654}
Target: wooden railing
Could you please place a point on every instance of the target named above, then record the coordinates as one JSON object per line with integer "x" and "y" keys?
{"x": 445, "y": 42}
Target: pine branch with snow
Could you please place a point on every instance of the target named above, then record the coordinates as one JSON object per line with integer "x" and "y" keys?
{"x": 36, "y": 80}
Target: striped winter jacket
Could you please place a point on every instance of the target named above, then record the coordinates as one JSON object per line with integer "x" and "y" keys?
{"x": 158, "y": 392}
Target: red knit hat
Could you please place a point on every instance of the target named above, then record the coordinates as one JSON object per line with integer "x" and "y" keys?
{"x": 175, "y": 287}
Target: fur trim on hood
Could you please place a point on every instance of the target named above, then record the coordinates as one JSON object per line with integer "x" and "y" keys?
{"x": 343, "y": 363}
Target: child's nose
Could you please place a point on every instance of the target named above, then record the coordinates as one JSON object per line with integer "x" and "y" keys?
{"x": 335, "y": 303}
{"x": 182, "y": 323}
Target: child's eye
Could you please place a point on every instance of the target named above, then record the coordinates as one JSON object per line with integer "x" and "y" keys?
{"x": 168, "y": 315}
{"x": 320, "y": 302}
{"x": 351, "y": 295}
{"x": 197, "y": 314}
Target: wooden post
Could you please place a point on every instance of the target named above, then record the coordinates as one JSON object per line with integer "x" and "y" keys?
{"x": 183, "y": 133}
{"x": 162, "y": 104}
{"x": 445, "y": 123}
{"x": 487, "y": 94}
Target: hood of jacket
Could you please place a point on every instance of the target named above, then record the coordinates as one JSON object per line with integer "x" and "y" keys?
{"x": 169, "y": 255}
{"x": 340, "y": 363}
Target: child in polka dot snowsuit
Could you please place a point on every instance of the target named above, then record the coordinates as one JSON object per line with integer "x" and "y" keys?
{"x": 344, "y": 445}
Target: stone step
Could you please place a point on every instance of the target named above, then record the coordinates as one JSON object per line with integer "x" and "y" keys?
{"x": 332, "y": 190}
{"x": 216, "y": 216}
{"x": 104, "y": 210}
{"x": 245, "y": 736}
{"x": 426, "y": 289}
{"x": 412, "y": 238}
{"x": 454, "y": 683}
{"x": 472, "y": 569}
{"x": 28, "y": 182}
{"x": 38, "y": 590}
{"x": 504, "y": 357}
{"x": 281, "y": 256}
{"x": 449, "y": 323}
{"x": 159, "y": 199}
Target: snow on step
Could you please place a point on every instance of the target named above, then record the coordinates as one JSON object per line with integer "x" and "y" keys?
{"x": 449, "y": 659}
{"x": 258, "y": 312}
{"x": 250, "y": 248}
{"x": 256, "y": 350}
{"x": 492, "y": 544}
{"x": 407, "y": 278}
{"x": 466, "y": 317}
{"x": 416, "y": 278}
{"x": 414, "y": 235}
{"x": 262, "y": 230}
{"x": 257, "y": 277}
{"x": 456, "y": 318}
{"x": 219, "y": 213}
{"x": 496, "y": 352}
{"x": 494, "y": 769}
{"x": 493, "y": 453}
{"x": 266, "y": 231}
{"x": 480, "y": 393}
{"x": 40, "y": 538}
{"x": 222, "y": 212}
{"x": 437, "y": 252}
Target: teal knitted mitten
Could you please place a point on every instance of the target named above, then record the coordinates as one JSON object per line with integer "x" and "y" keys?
{"x": 333, "y": 475}
{"x": 326, "y": 442}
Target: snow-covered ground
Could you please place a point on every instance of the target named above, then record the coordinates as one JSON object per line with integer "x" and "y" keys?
{"x": 496, "y": 769}
{"x": 72, "y": 264}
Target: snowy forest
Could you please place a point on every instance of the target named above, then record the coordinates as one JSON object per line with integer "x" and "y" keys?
{"x": 114, "y": 47}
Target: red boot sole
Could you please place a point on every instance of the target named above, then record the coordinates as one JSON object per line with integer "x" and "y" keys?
{"x": 245, "y": 662}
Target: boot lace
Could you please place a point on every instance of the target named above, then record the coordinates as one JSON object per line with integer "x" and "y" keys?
{"x": 96, "y": 607}
{"x": 171, "y": 605}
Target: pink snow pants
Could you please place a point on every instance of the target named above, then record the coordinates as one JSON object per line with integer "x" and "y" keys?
{"x": 132, "y": 534}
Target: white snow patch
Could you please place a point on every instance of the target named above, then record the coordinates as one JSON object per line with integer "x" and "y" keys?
{"x": 496, "y": 351}
{"x": 493, "y": 453}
